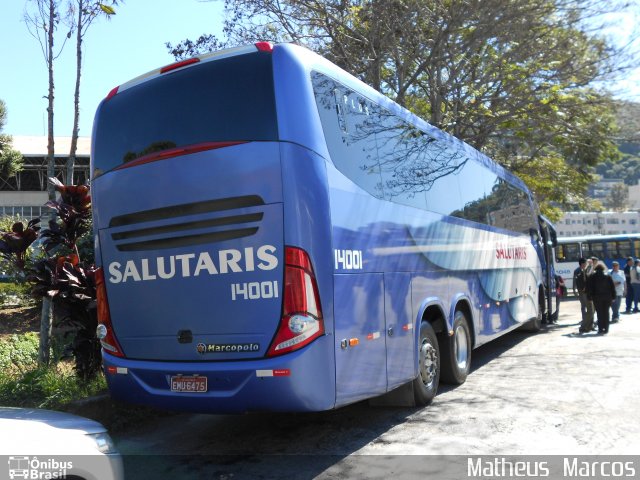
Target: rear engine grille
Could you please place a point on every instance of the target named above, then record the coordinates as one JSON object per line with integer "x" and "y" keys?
{"x": 164, "y": 236}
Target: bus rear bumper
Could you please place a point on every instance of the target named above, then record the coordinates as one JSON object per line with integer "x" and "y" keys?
{"x": 299, "y": 381}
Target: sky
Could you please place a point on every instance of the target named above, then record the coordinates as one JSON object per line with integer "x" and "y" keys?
{"x": 131, "y": 43}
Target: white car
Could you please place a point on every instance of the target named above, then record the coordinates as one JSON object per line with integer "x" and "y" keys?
{"x": 45, "y": 444}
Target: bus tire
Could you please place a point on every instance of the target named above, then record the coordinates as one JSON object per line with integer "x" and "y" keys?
{"x": 425, "y": 385}
{"x": 456, "y": 351}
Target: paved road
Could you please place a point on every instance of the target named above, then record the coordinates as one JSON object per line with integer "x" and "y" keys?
{"x": 555, "y": 392}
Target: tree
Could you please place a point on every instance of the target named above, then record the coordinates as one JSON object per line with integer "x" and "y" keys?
{"x": 42, "y": 18}
{"x": 618, "y": 198}
{"x": 84, "y": 12}
{"x": 10, "y": 159}
{"x": 514, "y": 78}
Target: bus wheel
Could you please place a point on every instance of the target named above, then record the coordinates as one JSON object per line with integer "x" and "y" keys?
{"x": 426, "y": 383}
{"x": 456, "y": 351}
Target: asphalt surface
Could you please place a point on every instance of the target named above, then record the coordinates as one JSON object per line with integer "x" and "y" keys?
{"x": 554, "y": 392}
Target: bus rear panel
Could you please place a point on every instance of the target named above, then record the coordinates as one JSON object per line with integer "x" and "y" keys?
{"x": 198, "y": 278}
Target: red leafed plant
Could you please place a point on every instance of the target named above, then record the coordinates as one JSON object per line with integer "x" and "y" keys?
{"x": 14, "y": 244}
{"x": 61, "y": 275}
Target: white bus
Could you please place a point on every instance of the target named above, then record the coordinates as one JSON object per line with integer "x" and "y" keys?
{"x": 605, "y": 247}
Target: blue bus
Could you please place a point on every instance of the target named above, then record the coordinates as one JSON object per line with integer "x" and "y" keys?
{"x": 275, "y": 235}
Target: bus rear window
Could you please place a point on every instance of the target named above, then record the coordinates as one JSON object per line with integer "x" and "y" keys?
{"x": 230, "y": 99}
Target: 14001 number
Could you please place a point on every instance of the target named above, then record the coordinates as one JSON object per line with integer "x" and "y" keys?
{"x": 254, "y": 290}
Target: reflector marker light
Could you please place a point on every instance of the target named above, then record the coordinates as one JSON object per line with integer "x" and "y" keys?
{"x": 353, "y": 342}
{"x": 407, "y": 327}
{"x": 373, "y": 336}
{"x": 111, "y": 370}
{"x": 175, "y": 66}
{"x": 112, "y": 93}
{"x": 281, "y": 372}
{"x": 264, "y": 46}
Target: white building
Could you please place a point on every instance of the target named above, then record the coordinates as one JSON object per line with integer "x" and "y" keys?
{"x": 634, "y": 197}
{"x": 26, "y": 193}
{"x": 605, "y": 223}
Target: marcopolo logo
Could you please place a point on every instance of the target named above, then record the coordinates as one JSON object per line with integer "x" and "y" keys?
{"x": 34, "y": 468}
{"x": 227, "y": 348}
{"x": 193, "y": 265}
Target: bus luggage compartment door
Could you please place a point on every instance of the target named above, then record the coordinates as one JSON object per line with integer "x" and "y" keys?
{"x": 361, "y": 370}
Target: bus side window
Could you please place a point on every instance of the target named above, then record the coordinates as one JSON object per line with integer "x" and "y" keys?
{"x": 596, "y": 249}
{"x": 624, "y": 249}
{"x": 346, "y": 123}
{"x": 403, "y": 163}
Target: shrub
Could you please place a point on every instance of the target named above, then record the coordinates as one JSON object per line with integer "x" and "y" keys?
{"x": 19, "y": 352}
{"x": 46, "y": 387}
{"x": 59, "y": 274}
{"x": 18, "y": 294}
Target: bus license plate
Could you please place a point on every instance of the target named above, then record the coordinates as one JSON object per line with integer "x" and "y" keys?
{"x": 189, "y": 384}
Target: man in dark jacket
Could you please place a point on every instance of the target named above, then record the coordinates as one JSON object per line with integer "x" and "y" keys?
{"x": 580, "y": 290}
{"x": 627, "y": 277}
{"x": 602, "y": 292}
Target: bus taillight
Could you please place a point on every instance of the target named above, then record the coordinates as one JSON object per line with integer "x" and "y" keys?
{"x": 104, "y": 331}
{"x": 301, "y": 320}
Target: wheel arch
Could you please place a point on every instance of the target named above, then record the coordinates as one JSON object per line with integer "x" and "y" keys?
{"x": 463, "y": 304}
{"x": 432, "y": 310}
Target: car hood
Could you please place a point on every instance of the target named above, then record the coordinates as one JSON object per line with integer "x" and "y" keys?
{"x": 47, "y": 419}
{"x": 35, "y": 431}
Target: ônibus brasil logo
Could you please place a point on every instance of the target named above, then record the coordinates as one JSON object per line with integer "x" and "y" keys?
{"x": 34, "y": 468}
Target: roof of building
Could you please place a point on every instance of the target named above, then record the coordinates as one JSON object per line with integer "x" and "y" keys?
{"x": 36, "y": 146}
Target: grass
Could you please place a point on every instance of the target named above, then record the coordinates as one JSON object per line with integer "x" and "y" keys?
{"x": 24, "y": 384}
{"x": 15, "y": 294}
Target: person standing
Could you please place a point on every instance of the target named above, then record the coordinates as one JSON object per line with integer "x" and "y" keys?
{"x": 627, "y": 278}
{"x": 619, "y": 282}
{"x": 580, "y": 290}
{"x": 561, "y": 291}
{"x": 635, "y": 283}
{"x": 602, "y": 292}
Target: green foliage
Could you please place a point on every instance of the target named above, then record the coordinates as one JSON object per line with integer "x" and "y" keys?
{"x": 15, "y": 294}
{"x": 19, "y": 352}
{"x": 11, "y": 160}
{"x": 551, "y": 178}
{"x": 627, "y": 169}
{"x": 42, "y": 387}
{"x": 24, "y": 384}
{"x": 514, "y": 78}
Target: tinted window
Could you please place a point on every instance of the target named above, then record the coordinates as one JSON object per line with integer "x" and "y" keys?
{"x": 595, "y": 249}
{"x": 401, "y": 154}
{"x": 411, "y": 167}
{"x": 221, "y": 100}
{"x": 347, "y": 121}
{"x": 568, "y": 252}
